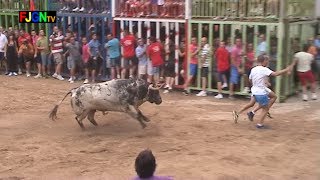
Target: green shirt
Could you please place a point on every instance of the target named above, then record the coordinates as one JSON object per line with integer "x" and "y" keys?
{"x": 43, "y": 42}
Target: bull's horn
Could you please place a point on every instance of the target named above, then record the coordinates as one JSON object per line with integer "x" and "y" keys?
{"x": 152, "y": 88}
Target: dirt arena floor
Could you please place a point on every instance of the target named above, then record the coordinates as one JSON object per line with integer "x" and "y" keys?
{"x": 192, "y": 138}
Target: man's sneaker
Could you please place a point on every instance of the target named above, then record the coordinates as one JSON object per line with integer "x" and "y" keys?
{"x": 201, "y": 93}
{"x": 185, "y": 92}
{"x": 81, "y": 9}
{"x": 64, "y": 7}
{"x": 86, "y": 81}
{"x": 76, "y": 9}
{"x": 219, "y": 96}
{"x": 60, "y": 78}
{"x": 305, "y": 97}
{"x": 10, "y": 74}
{"x": 70, "y": 79}
{"x": 235, "y": 116}
{"x": 260, "y": 126}
{"x": 28, "y": 74}
{"x": 314, "y": 96}
{"x": 55, "y": 75}
{"x": 250, "y": 115}
{"x": 224, "y": 85}
{"x": 15, "y": 74}
{"x": 166, "y": 91}
{"x": 38, "y": 76}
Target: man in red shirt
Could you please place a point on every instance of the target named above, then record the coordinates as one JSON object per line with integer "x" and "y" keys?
{"x": 222, "y": 57}
{"x": 24, "y": 37}
{"x": 128, "y": 43}
{"x": 155, "y": 52}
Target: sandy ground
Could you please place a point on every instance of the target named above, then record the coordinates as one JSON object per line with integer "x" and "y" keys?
{"x": 192, "y": 138}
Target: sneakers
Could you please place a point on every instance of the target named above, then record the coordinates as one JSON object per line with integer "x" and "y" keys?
{"x": 250, "y": 115}
{"x": 38, "y": 76}
{"x": 314, "y": 96}
{"x": 81, "y": 9}
{"x": 19, "y": 72}
{"x": 224, "y": 85}
{"x": 185, "y": 92}
{"x": 10, "y": 74}
{"x": 235, "y": 116}
{"x": 76, "y": 9}
{"x": 260, "y": 126}
{"x": 167, "y": 90}
{"x": 60, "y": 77}
{"x": 28, "y": 74}
{"x": 305, "y": 97}
{"x": 55, "y": 75}
{"x": 86, "y": 81}
{"x": 118, "y": 76}
{"x": 15, "y": 74}
{"x": 202, "y": 94}
{"x": 219, "y": 96}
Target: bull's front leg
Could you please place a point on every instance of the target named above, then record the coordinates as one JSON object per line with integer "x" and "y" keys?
{"x": 135, "y": 113}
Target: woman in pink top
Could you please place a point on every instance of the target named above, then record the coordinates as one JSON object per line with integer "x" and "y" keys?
{"x": 85, "y": 58}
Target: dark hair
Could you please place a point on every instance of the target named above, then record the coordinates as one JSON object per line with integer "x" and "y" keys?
{"x": 152, "y": 39}
{"x": 306, "y": 47}
{"x": 145, "y": 164}
{"x": 262, "y": 58}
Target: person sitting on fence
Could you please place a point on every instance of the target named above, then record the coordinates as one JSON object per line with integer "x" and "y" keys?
{"x": 193, "y": 66}
{"x": 66, "y": 5}
{"x": 145, "y": 166}
{"x": 235, "y": 71}
{"x": 113, "y": 50}
{"x": 222, "y": 57}
{"x": 3, "y": 45}
{"x": 11, "y": 55}
{"x": 167, "y": 9}
{"x": 26, "y": 50}
{"x": 204, "y": 59}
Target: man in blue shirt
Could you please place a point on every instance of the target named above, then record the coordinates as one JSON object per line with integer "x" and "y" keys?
{"x": 95, "y": 56}
{"x": 262, "y": 46}
{"x": 142, "y": 56}
{"x": 113, "y": 49}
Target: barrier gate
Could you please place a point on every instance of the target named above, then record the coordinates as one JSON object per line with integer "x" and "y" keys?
{"x": 162, "y": 29}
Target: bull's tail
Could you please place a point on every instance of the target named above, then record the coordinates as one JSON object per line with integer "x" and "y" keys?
{"x": 53, "y": 113}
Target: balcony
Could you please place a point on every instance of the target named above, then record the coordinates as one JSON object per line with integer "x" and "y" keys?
{"x": 170, "y": 9}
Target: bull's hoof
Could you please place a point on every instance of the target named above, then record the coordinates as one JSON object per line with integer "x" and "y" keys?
{"x": 94, "y": 122}
{"x": 143, "y": 126}
{"x": 146, "y": 119}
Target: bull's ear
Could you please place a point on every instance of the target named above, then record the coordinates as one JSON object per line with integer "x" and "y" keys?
{"x": 132, "y": 89}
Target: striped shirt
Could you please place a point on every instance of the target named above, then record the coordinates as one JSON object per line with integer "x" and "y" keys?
{"x": 56, "y": 43}
{"x": 205, "y": 52}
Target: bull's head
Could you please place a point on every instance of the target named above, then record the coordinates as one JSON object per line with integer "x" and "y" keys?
{"x": 154, "y": 95}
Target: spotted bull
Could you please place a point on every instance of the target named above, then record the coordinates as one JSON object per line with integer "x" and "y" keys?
{"x": 123, "y": 95}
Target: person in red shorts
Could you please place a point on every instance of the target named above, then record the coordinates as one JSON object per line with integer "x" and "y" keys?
{"x": 303, "y": 60}
{"x": 155, "y": 52}
{"x": 222, "y": 56}
{"x": 128, "y": 43}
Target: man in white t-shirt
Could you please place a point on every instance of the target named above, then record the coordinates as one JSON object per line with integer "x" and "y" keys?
{"x": 303, "y": 60}
{"x": 3, "y": 47}
{"x": 259, "y": 89}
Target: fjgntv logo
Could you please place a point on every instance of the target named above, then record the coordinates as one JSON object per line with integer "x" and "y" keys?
{"x": 37, "y": 16}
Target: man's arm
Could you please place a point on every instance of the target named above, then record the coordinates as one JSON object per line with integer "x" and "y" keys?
{"x": 278, "y": 73}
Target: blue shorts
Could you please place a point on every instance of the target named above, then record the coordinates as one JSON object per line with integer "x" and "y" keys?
{"x": 234, "y": 75}
{"x": 263, "y": 100}
{"x": 193, "y": 69}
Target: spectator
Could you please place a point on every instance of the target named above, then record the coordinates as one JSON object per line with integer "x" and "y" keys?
{"x": 128, "y": 44}
{"x": 262, "y": 46}
{"x": 74, "y": 57}
{"x": 141, "y": 53}
{"x": 249, "y": 60}
{"x": 235, "y": 71}
{"x": 37, "y": 57}
{"x": 303, "y": 60}
{"x": 154, "y": 52}
{"x": 26, "y": 50}
{"x": 145, "y": 166}
{"x": 170, "y": 66}
{"x": 56, "y": 40}
{"x": 113, "y": 46}
{"x": 85, "y": 59}
{"x": 313, "y": 50}
{"x": 222, "y": 56}
{"x": 204, "y": 57}
{"x": 193, "y": 67}
{"x": 11, "y": 55}
{"x": 3, "y": 46}
{"x": 22, "y": 37}
{"x": 317, "y": 44}
{"x": 80, "y": 6}
{"x": 95, "y": 56}
{"x": 42, "y": 47}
